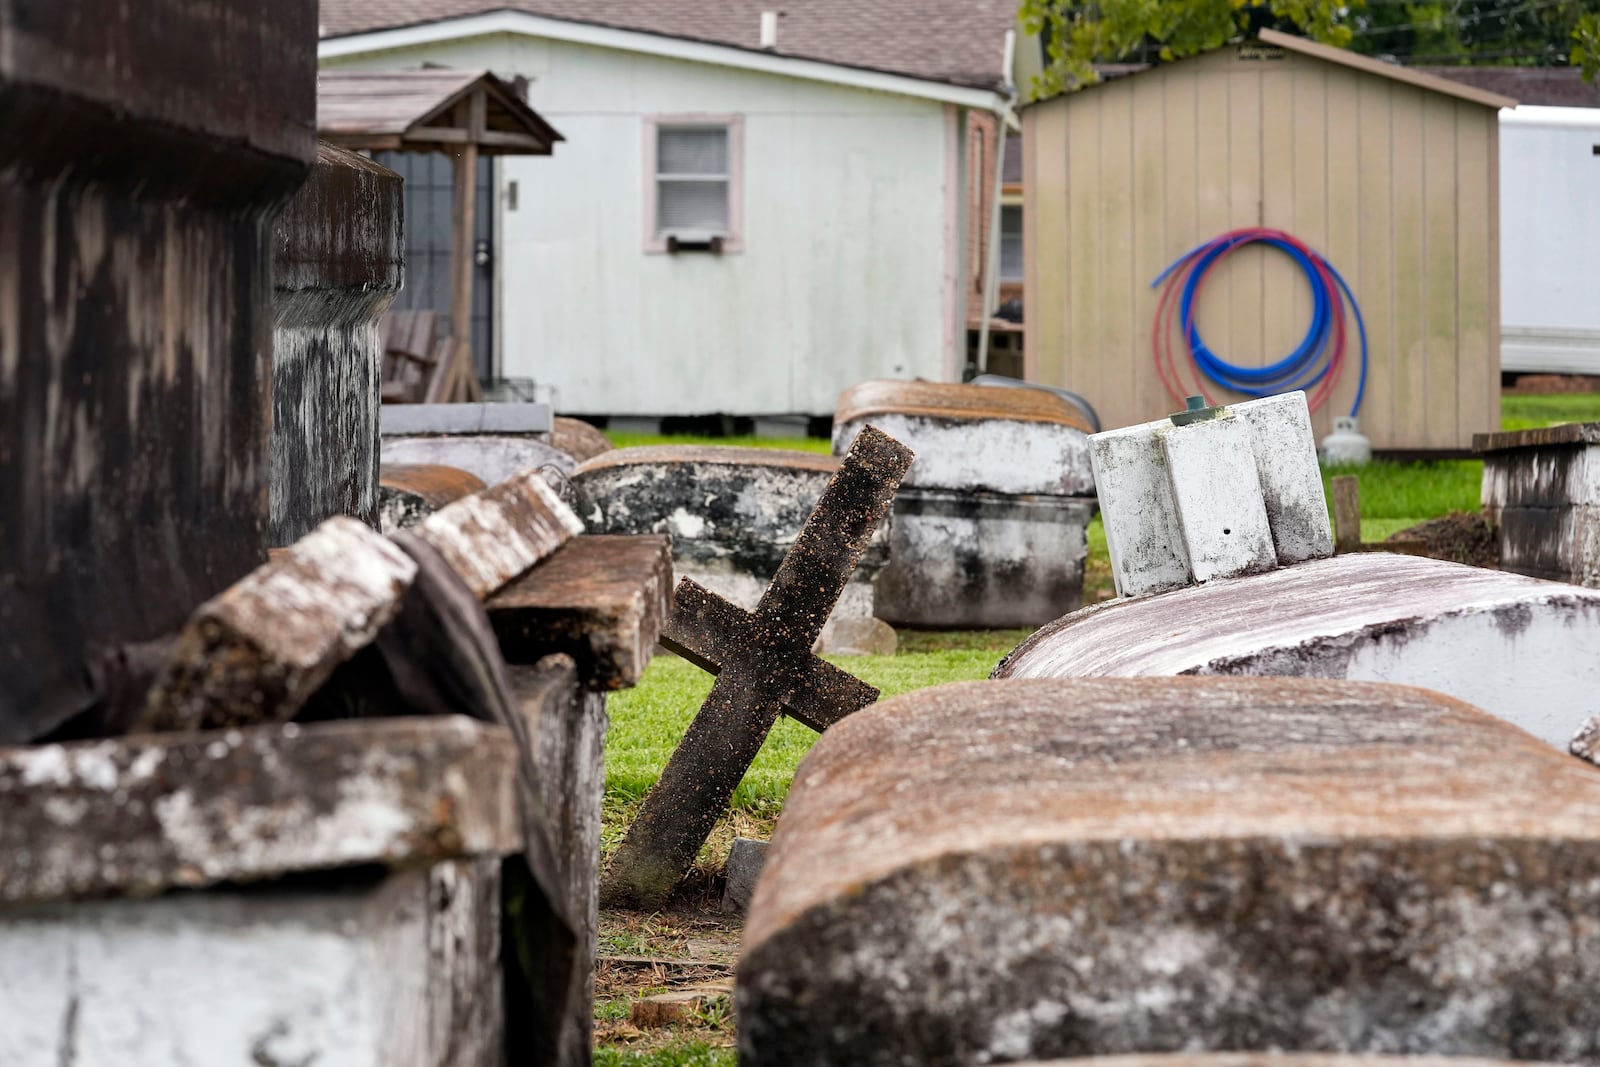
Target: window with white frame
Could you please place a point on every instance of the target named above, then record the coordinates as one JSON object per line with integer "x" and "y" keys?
{"x": 1011, "y": 242}
{"x": 694, "y": 185}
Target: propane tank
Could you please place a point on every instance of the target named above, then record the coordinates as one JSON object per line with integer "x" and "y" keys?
{"x": 1346, "y": 444}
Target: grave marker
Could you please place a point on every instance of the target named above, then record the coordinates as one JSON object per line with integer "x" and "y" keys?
{"x": 989, "y": 525}
{"x": 764, "y": 667}
{"x": 1008, "y": 871}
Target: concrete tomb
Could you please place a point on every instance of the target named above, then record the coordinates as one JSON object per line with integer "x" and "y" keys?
{"x": 764, "y": 667}
{"x": 989, "y": 527}
{"x": 1517, "y": 647}
{"x": 1211, "y": 493}
{"x": 1221, "y": 512}
{"x": 410, "y": 492}
{"x": 1541, "y": 490}
{"x": 351, "y": 909}
{"x": 492, "y": 441}
{"x": 336, "y": 267}
{"x": 147, "y": 149}
{"x": 733, "y": 514}
{"x": 1010, "y": 871}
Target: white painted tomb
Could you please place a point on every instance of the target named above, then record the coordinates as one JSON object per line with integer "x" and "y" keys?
{"x": 1202, "y": 594}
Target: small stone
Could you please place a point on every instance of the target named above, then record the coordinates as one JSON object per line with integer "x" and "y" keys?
{"x": 745, "y": 860}
{"x": 670, "y": 1009}
{"x": 855, "y": 635}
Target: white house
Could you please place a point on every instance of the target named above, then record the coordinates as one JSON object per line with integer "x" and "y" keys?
{"x": 751, "y": 211}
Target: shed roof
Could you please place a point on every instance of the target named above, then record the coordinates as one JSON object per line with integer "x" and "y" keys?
{"x": 959, "y": 42}
{"x": 1462, "y": 89}
{"x": 428, "y": 109}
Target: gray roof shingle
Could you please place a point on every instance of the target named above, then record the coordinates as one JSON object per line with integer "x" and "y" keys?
{"x": 959, "y": 42}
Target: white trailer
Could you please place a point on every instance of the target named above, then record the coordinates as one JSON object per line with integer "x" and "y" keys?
{"x": 1550, "y": 240}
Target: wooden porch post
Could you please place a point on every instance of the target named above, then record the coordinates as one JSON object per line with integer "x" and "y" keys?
{"x": 462, "y": 383}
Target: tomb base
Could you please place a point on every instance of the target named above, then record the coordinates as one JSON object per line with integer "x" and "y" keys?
{"x": 968, "y": 559}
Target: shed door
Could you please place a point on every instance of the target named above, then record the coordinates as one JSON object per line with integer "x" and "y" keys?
{"x": 429, "y": 190}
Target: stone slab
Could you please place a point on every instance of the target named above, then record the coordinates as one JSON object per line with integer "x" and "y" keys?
{"x": 1290, "y": 477}
{"x": 492, "y": 537}
{"x": 732, "y": 513}
{"x": 600, "y": 598}
{"x": 991, "y": 872}
{"x": 567, "y": 728}
{"x": 368, "y": 969}
{"x": 147, "y": 147}
{"x": 955, "y": 401}
{"x": 491, "y": 457}
{"x": 409, "y": 493}
{"x": 1553, "y": 477}
{"x": 578, "y": 439}
{"x": 979, "y": 560}
{"x": 142, "y": 814}
{"x": 337, "y": 255}
{"x": 746, "y": 858}
{"x": 1515, "y": 646}
{"x": 1569, "y": 433}
{"x": 971, "y": 437}
{"x": 1143, "y": 536}
{"x": 1168, "y": 491}
{"x": 417, "y": 420}
{"x": 1212, "y": 468}
{"x": 259, "y": 649}
{"x": 703, "y": 494}
{"x": 1559, "y": 543}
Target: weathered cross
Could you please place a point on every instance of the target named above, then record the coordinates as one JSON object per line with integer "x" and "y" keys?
{"x": 764, "y": 667}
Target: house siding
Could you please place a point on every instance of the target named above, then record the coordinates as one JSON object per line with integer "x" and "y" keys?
{"x": 842, "y": 271}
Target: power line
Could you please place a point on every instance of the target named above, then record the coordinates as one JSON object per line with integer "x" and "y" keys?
{"x": 1458, "y": 21}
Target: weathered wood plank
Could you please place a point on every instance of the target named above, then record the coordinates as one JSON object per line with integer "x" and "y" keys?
{"x": 567, "y": 729}
{"x": 256, "y": 651}
{"x": 600, "y": 598}
{"x": 142, "y": 814}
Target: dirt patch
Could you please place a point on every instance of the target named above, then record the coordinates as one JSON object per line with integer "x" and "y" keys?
{"x": 1546, "y": 384}
{"x": 1459, "y": 537}
{"x": 693, "y": 946}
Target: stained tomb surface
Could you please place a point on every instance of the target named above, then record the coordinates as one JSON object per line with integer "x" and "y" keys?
{"x": 1518, "y": 647}
{"x": 1001, "y": 872}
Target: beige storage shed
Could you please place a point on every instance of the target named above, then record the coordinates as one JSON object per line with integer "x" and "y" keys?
{"x": 1390, "y": 173}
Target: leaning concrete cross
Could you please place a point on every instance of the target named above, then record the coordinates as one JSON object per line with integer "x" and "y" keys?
{"x": 764, "y": 667}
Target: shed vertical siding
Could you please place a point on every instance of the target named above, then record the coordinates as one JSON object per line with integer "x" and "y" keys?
{"x": 1395, "y": 184}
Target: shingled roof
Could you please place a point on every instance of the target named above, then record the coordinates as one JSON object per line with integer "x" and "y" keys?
{"x": 1537, "y": 86}
{"x": 958, "y": 42}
